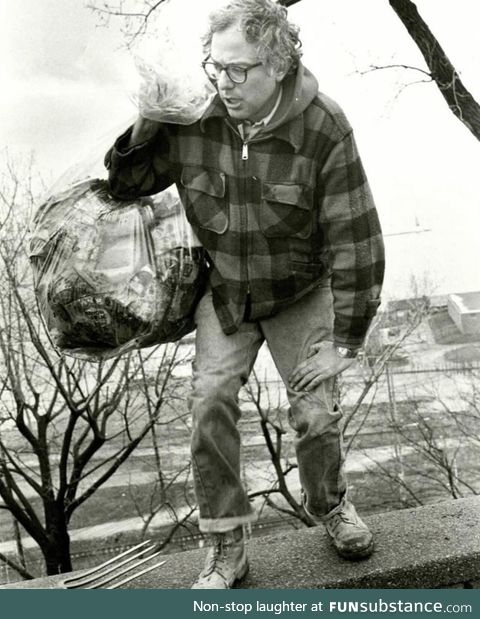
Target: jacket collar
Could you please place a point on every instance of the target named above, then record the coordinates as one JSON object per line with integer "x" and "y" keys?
{"x": 292, "y": 131}
{"x": 299, "y": 90}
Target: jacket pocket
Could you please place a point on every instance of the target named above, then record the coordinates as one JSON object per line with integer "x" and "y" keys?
{"x": 204, "y": 198}
{"x": 286, "y": 210}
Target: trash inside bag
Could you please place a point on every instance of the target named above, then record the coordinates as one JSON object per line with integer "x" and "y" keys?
{"x": 111, "y": 276}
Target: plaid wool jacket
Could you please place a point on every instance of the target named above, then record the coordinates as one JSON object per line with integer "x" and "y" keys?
{"x": 279, "y": 214}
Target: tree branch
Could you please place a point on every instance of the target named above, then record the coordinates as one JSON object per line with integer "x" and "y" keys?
{"x": 458, "y": 98}
{"x": 25, "y": 574}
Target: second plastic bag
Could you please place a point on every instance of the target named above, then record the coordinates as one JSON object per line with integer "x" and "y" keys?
{"x": 111, "y": 276}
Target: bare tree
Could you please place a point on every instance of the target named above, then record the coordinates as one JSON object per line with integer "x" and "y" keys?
{"x": 440, "y": 443}
{"x": 273, "y": 432}
{"x": 171, "y": 493}
{"x": 66, "y": 425}
{"x": 173, "y": 501}
{"x": 462, "y": 408}
{"x": 377, "y": 355}
{"x": 135, "y": 15}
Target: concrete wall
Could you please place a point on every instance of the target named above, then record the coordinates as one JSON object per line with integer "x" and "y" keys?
{"x": 436, "y": 546}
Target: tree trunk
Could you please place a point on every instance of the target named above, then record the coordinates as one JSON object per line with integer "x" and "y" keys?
{"x": 458, "y": 98}
{"x": 57, "y": 552}
{"x": 57, "y": 556}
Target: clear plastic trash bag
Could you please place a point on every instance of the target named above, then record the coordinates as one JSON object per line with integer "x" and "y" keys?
{"x": 173, "y": 86}
{"x": 111, "y": 276}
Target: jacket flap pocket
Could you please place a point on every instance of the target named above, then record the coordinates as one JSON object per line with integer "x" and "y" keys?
{"x": 205, "y": 180}
{"x": 288, "y": 193}
{"x": 287, "y": 210}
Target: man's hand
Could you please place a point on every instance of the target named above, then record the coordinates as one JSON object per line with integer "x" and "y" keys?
{"x": 143, "y": 130}
{"x": 322, "y": 362}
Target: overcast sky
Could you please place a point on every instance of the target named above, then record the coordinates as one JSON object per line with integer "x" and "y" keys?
{"x": 66, "y": 82}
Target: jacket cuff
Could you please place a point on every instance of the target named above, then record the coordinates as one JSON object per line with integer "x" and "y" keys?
{"x": 372, "y": 307}
{"x": 351, "y": 333}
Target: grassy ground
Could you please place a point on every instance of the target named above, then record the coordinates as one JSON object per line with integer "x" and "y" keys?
{"x": 464, "y": 354}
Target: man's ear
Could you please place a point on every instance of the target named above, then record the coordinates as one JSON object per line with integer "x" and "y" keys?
{"x": 277, "y": 74}
{"x": 280, "y": 75}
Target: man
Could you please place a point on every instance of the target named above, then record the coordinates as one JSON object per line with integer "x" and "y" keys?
{"x": 274, "y": 189}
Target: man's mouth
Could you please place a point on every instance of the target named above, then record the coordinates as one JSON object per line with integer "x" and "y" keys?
{"x": 232, "y": 102}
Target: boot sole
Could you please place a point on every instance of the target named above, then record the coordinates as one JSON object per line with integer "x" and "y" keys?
{"x": 238, "y": 577}
{"x": 358, "y": 555}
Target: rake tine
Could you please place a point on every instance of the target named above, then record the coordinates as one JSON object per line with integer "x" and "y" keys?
{"x": 81, "y": 582}
{"x": 136, "y": 575}
{"x": 114, "y": 560}
{"x": 98, "y": 584}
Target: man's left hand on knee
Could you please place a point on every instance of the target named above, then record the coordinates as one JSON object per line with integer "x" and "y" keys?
{"x": 323, "y": 362}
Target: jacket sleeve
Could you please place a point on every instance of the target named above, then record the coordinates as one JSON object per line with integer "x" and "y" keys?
{"x": 140, "y": 170}
{"x": 353, "y": 236}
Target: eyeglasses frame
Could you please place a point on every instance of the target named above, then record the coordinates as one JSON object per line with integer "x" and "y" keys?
{"x": 226, "y": 68}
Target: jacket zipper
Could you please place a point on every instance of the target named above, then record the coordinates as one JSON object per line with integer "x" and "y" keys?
{"x": 245, "y": 155}
{"x": 245, "y": 210}
{"x": 244, "y": 218}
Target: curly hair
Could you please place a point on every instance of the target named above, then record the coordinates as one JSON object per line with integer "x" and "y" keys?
{"x": 265, "y": 25}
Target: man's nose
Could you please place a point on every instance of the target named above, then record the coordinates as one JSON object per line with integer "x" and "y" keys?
{"x": 224, "y": 82}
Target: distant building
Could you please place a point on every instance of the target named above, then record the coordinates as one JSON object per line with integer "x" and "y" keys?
{"x": 464, "y": 310}
{"x": 398, "y": 312}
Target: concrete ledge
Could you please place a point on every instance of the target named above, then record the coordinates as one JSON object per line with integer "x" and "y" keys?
{"x": 437, "y": 546}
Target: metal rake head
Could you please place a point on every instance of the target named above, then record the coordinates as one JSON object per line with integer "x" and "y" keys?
{"x": 106, "y": 575}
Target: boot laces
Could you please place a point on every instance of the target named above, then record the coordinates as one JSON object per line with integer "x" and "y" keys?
{"x": 218, "y": 557}
{"x": 340, "y": 518}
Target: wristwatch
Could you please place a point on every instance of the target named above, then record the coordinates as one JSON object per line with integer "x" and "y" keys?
{"x": 346, "y": 353}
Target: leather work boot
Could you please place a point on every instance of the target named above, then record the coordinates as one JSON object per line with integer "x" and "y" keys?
{"x": 350, "y": 535}
{"x": 226, "y": 561}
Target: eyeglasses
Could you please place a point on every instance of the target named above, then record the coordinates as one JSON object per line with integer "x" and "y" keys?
{"x": 236, "y": 74}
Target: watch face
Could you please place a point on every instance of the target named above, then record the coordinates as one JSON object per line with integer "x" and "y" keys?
{"x": 345, "y": 353}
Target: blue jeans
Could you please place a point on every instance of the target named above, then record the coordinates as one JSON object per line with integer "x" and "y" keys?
{"x": 222, "y": 365}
